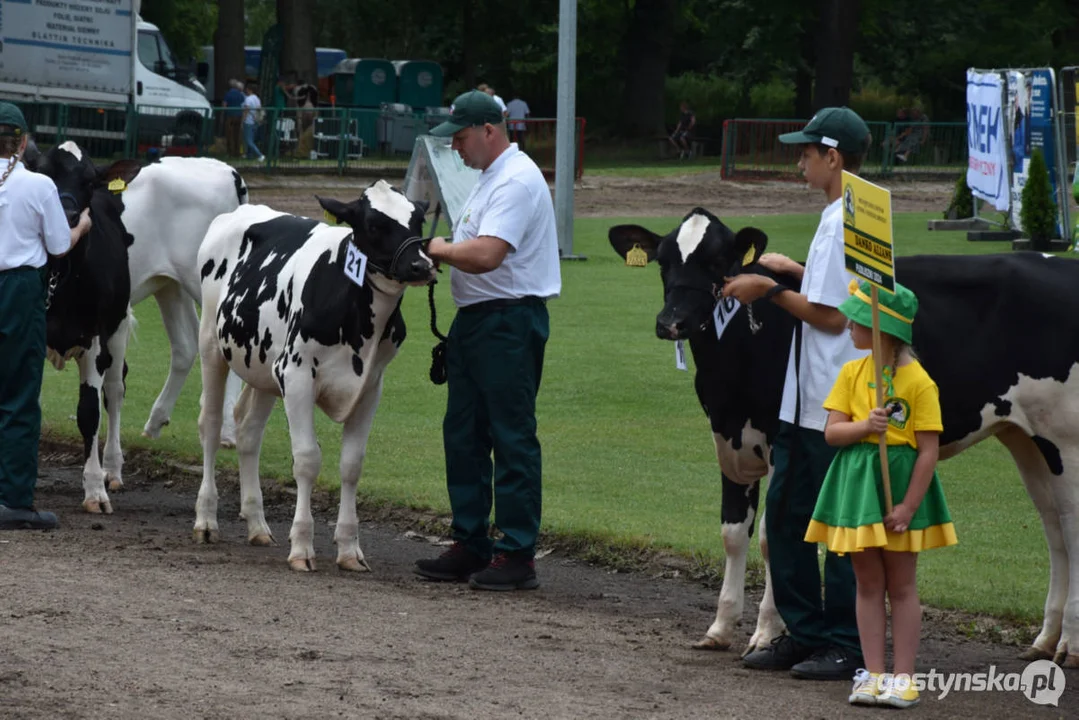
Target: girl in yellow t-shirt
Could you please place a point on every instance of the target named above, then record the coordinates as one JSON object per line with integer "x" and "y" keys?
{"x": 850, "y": 514}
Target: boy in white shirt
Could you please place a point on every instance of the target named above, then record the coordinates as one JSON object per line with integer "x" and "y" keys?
{"x": 823, "y": 642}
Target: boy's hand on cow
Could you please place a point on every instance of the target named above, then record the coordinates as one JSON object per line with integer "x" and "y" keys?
{"x": 437, "y": 249}
{"x": 748, "y": 287}
{"x": 877, "y": 422}
{"x": 898, "y": 520}
{"x": 779, "y": 263}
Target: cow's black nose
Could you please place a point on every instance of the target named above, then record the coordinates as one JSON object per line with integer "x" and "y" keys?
{"x": 669, "y": 331}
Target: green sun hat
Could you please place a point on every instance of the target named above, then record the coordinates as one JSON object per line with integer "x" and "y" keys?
{"x": 897, "y": 310}
{"x": 11, "y": 116}
{"x": 470, "y": 109}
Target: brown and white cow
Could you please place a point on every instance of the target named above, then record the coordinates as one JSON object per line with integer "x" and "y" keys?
{"x": 998, "y": 333}
{"x": 308, "y": 312}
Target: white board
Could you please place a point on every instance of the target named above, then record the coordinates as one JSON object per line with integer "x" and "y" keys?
{"x": 437, "y": 175}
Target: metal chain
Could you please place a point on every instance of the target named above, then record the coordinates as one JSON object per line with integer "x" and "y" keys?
{"x": 754, "y": 326}
{"x": 54, "y": 280}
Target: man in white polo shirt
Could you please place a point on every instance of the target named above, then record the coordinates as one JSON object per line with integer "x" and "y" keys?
{"x": 504, "y": 256}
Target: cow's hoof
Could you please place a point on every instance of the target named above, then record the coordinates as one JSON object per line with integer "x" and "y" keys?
{"x": 710, "y": 643}
{"x": 302, "y": 564}
{"x": 1035, "y": 653}
{"x": 97, "y": 507}
{"x": 206, "y": 536}
{"x": 262, "y": 540}
{"x": 1065, "y": 659}
{"x": 228, "y": 444}
{"x": 353, "y": 564}
{"x": 115, "y": 483}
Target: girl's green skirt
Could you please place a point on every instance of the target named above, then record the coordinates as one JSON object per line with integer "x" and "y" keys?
{"x": 850, "y": 508}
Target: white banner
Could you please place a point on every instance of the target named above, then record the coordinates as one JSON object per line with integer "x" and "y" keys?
{"x": 83, "y": 45}
{"x": 987, "y": 172}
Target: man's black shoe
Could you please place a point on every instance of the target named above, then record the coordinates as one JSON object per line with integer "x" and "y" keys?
{"x": 783, "y": 654}
{"x": 831, "y": 663}
{"x": 508, "y": 571}
{"x": 21, "y": 519}
{"x": 454, "y": 565}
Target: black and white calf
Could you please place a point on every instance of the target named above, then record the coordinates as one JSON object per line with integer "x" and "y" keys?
{"x": 168, "y": 208}
{"x": 311, "y": 313}
{"x": 998, "y": 333}
{"x": 88, "y": 313}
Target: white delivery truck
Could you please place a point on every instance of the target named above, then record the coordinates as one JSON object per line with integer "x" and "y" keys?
{"x": 91, "y": 55}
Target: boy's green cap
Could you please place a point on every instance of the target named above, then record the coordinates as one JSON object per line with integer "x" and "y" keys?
{"x": 11, "y": 115}
{"x": 897, "y": 310}
{"x": 838, "y": 127}
{"x": 472, "y": 108}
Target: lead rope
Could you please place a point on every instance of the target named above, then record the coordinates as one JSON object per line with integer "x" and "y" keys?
{"x": 438, "y": 353}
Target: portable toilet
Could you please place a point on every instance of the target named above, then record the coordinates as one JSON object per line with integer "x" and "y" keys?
{"x": 419, "y": 83}
{"x": 365, "y": 82}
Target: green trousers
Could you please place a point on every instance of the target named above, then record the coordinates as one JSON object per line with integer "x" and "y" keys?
{"x": 802, "y": 458}
{"x": 494, "y": 362}
{"x": 22, "y": 358}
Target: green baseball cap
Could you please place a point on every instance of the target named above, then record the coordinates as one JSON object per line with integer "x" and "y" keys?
{"x": 12, "y": 115}
{"x": 838, "y": 127}
{"x": 472, "y": 108}
{"x": 897, "y": 310}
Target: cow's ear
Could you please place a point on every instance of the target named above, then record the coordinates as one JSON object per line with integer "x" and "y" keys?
{"x": 749, "y": 245}
{"x": 31, "y": 156}
{"x": 624, "y": 238}
{"x": 422, "y": 205}
{"x": 125, "y": 170}
{"x": 335, "y": 208}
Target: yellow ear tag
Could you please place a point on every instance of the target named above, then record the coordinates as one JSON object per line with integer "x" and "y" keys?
{"x": 748, "y": 259}
{"x": 330, "y": 218}
{"x": 636, "y": 257}
{"x": 117, "y": 185}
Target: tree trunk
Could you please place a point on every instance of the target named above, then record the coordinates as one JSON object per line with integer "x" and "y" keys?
{"x": 803, "y": 74}
{"x": 835, "y": 52}
{"x": 298, "y": 50}
{"x": 228, "y": 47}
{"x": 647, "y": 52}
{"x": 468, "y": 55}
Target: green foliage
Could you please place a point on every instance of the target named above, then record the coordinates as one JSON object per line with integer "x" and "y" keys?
{"x": 186, "y": 24}
{"x": 1038, "y": 213}
{"x": 962, "y": 205}
{"x": 773, "y": 99}
{"x": 877, "y": 102}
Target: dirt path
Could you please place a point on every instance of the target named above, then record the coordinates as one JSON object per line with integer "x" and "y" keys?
{"x": 124, "y": 617}
{"x": 607, "y": 196}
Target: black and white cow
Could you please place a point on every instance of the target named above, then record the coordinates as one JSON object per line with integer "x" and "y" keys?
{"x": 165, "y": 210}
{"x": 168, "y": 208}
{"x": 88, "y": 311}
{"x": 998, "y": 333}
{"x": 293, "y": 308}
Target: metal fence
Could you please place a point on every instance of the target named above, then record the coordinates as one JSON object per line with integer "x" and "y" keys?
{"x": 316, "y": 140}
{"x": 751, "y": 147}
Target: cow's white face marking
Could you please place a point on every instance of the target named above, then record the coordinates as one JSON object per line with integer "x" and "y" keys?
{"x": 691, "y": 233}
{"x": 73, "y": 148}
{"x": 390, "y": 203}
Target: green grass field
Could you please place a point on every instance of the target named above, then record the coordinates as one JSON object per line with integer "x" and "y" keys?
{"x": 628, "y": 455}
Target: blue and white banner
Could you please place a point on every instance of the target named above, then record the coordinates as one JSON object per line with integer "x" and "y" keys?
{"x": 987, "y": 172}
{"x": 1030, "y": 118}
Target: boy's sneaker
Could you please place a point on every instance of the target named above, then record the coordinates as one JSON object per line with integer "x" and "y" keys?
{"x": 898, "y": 691}
{"x": 832, "y": 663}
{"x": 783, "y": 654}
{"x": 508, "y": 571}
{"x": 867, "y": 687}
{"x": 454, "y": 565}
